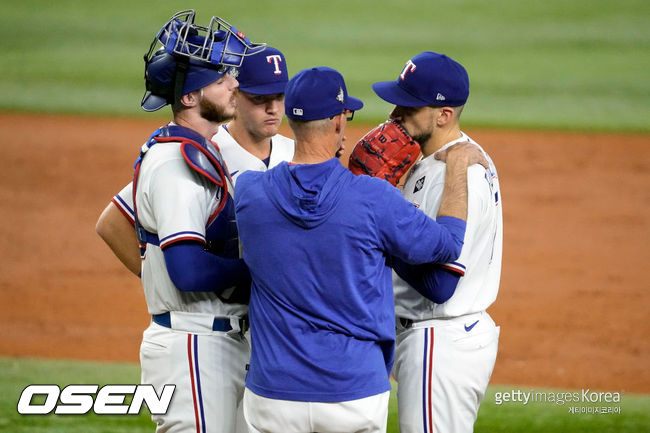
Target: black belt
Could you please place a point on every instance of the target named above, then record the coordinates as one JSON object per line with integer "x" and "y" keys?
{"x": 221, "y": 324}
{"x": 406, "y": 323}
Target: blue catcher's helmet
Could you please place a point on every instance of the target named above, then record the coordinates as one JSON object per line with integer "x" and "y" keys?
{"x": 191, "y": 57}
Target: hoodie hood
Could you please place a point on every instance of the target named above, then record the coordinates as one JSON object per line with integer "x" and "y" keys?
{"x": 306, "y": 193}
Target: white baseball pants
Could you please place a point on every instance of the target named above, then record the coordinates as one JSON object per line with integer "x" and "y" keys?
{"x": 442, "y": 368}
{"x": 267, "y": 415}
{"x": 208, "y": 369}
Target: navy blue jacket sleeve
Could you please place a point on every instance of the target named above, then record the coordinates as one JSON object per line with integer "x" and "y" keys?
{"x": 430, "y": 280}
{"x": 408, "y": 233}
{"x": 192, "y": 269}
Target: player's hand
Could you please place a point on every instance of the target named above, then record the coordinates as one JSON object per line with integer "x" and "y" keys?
{"x": 463, "y": 152}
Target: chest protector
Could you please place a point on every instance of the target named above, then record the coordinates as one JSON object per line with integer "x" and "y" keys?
{"x": 202, "y": 156}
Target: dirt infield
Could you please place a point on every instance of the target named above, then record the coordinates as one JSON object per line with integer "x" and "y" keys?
{"x": 574, "y": 298}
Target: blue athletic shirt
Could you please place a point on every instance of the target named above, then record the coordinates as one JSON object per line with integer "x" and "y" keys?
{"x": 316, "y": 239}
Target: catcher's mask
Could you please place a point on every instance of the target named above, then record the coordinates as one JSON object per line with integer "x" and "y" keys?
{"x": 191, "y": 57}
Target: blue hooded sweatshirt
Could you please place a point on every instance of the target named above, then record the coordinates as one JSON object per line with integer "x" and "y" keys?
{"x": 316, "y": 239}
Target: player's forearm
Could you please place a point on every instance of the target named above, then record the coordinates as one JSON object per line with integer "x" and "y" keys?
{"x": 119, "y": 235}
{"x": 454, "y": 196}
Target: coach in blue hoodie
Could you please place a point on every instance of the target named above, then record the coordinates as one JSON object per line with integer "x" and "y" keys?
{"x": 317, "y": 240}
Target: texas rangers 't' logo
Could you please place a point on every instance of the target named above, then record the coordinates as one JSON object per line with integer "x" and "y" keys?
{"x": 275, "y": 59}
{"x": 410, "y": 67}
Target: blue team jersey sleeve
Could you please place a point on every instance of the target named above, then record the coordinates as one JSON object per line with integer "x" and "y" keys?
{"x": 430, "y": 280}
{"x": 192, "y": 269}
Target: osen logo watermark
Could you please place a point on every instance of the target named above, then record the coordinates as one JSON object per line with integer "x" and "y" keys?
{"x": 81, "y": 399}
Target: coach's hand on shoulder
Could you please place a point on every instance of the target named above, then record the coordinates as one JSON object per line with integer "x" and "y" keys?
{"x": 463, "y": 151}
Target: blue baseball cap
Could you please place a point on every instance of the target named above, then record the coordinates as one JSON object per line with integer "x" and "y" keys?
{"x": 160, "y": 75}
{"x": 318, "y": 93}
{"x": 426, "y": 79}
{"x": 264, "y": 73}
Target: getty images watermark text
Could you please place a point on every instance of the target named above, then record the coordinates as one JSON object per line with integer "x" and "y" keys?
{"x": 597, "y": 401}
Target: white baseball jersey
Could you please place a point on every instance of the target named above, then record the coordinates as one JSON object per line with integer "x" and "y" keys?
{"x": 445, "y": 357}
{"x": 240, "y": 160}
{"x": 237, "y": 159}
{"x": 168, "y": 156}
{"x": 480, "y": 259}
{"x": 176, "y": 203}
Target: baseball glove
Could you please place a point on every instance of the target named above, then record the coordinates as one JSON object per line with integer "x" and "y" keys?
{"x": 387, "y": 152}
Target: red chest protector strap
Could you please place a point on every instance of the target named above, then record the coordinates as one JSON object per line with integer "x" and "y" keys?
{"x": 201, "y": 155}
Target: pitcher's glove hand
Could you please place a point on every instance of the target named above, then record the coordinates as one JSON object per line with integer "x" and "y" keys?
{"x": 387, "y": 152}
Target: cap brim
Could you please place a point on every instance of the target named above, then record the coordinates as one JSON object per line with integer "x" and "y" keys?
{"x": 353, "y": 104}
{"x": 265, "y": 89}
{"x": 389, "y": 91}
{"x": 151, "y": 102}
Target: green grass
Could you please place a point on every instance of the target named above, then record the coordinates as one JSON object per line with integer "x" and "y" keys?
{"x": 17, "y": 373}
{"x": 535, "y": 64}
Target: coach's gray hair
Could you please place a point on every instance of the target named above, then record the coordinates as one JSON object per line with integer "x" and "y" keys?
{"x": 309, "y": 127}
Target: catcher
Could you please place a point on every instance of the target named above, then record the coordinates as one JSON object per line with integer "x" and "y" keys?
{"x": 194, "y": 283}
